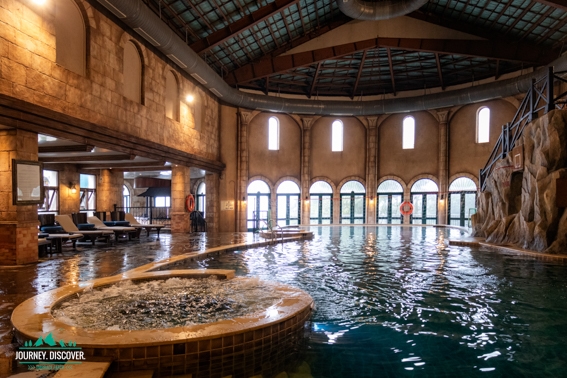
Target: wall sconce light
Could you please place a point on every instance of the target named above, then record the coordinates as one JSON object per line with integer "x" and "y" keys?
{"x": 72, "y": 188}
{"x": 307, "y": 199}
{"x": 189, "y": 98}
{"x": 442, "y": 199}
{"x": 371, "y": 198}
{"x": 243, "y": 198}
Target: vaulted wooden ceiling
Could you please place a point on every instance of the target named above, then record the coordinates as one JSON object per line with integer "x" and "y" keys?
{"x": 251, "y": 43}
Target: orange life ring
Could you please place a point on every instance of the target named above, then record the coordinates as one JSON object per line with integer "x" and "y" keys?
{"x": 406, "y": 208}
{"x": 190, "y": 203}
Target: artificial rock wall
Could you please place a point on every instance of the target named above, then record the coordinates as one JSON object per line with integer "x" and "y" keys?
{"x": 519, "y": 207}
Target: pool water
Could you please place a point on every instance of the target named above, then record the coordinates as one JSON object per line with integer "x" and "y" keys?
{"x": 399, "y": 301}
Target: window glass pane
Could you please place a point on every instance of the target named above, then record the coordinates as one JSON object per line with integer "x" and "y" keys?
{"x": 50, "y": 178}
{"x": 273, "y": 134}
{"x": 383, "y": 206}
{"x": 251, "y": 207}
{"x": 88, "y": 181}
{"x": 353, "y": 186}
{"x": 470, "y": 203}
{"x": 314, "y": 211}
{"x": 424, "y": 186}
{"x": 390, "y": 186}
{"x": 431, "y": 211}
{"x": 483, "y": 125}
{"x": 326, "y": 207}
{"x": 462, "y": 184}
{"x": 281, "y": 207}
{"x": 396, "y": 202}
{"x": 417, "y": 201}
{"x": 337, "y": 136}
{"x": 201, "y": 189}
{"x": 455, "y": 205}
{"x": 258, "y": 186}
{"x": 288, "y": 187}
{"x": 125, "y": 190}
{"x": 321, "y": 187}
{"x": 345, "y": 210}
{"x": 294, "y": 206}
{"x": 359, "y": 206}
{"x": 408, "y": 133}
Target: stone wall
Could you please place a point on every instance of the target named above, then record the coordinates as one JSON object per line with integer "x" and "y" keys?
{"x": 519, "y": 207}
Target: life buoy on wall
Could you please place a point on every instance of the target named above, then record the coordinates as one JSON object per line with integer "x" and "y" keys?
{"x": 406, "y": 208}
{"x": 190, "y": 203}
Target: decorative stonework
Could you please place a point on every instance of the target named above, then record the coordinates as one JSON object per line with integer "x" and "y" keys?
{"x": 520, "y": 207}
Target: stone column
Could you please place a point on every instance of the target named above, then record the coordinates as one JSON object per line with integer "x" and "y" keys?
{"x": 244, "y": 120}
{"x": 18, "y": 223}
{"x": 371, "y": 169}
{"x": 109, "y": 190}
{"x": 212, "y": 184}
{"x": 443, "y": 174}
{"x": 305, "y": 169}
{"x": 180, "y": 188}
{"x": 69, "y": 201}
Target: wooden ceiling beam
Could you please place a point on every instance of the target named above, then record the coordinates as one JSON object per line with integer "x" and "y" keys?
{"x": 72, "y": 158}
{"x": 391, "y": 66}
{"x": 517, "y": 52}
{"x": 69, "y": 148}
{"x": 125, "y": 166}
{"x": 358, "y": 74}
{"x": 217, "y": 37}
{"x": 438, "y": 61}
{"x": 314, "y": 82}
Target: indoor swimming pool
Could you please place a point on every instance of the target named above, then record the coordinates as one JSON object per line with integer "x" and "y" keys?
{"x": 399, "y": 301}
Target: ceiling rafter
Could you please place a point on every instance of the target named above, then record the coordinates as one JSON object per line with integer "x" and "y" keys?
{"x": 559, "y": 4}
{"x": 67, "y": 158}
{"x": 391, "y": 66}
{"x": 438, "y": 61}
{"x": 314, "y": 82}
{"x": 242, "y": 24}
{"x": 535, "y": 22}
{"x": 519, "y": 18}
{"x": 472, "y": 48}
{"x": 69, "y": 148}
{"x": 360, "y": 68}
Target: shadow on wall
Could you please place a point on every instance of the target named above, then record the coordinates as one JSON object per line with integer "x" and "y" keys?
{"x": 520, "y": 207}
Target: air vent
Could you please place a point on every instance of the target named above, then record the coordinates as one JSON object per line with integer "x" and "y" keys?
{"x": 112, "y": 8}
{"x": 176, "y": 60}
{"x": 148, "y": 37}
{"x": 199, "y": 78}
{"x": 215, "y": 92}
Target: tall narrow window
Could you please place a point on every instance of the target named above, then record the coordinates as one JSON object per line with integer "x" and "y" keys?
{"x": 70, "y": 36}
{"x": 273, "y": 134}
{"x": 171, "y": 96}
{"x": 408, "y": 133}
{"x": 337, "y": 136}
{"x": 51, "y": 187}
{"x": 87, "y": 184}
{"x": 132, "y": 73}
{"x": 126, "y": 198}
{"x": 483, "y": 125}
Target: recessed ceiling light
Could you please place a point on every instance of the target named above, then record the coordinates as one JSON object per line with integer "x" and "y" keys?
{"x": 165, "y": 173}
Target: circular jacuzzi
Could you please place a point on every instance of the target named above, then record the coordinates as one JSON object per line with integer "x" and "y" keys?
{"x": 264, "y": 341}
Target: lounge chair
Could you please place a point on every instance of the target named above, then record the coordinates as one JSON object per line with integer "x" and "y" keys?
{"x": 118, "y": 230}
{"x": 66, "y": 222}
{"x": 134, "y": 223}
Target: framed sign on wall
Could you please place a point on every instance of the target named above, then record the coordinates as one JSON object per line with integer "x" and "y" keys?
{"x": 27, "y": 183}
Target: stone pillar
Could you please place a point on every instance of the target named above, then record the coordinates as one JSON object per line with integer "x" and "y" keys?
{"x": 109, "y": 190}
{"x": 305, "y": 169}
{"x": 69, "y": 201}
{"x": 18, "y": 223}
{"x": 371, "y": 169}
{"x": 180, "y": 188}
{"x": 443, "y": 174}
{"x": 212, "y": 184}
{"x": 244, "y": 120}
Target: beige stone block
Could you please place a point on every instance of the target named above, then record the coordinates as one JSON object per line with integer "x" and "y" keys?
{"x": 72, "y": 94}
{"x": 34, "y": 79}
{"x": 31, "y": 29}
{"x": 19, "y": 54}
{"x": 3, "y": 47}
{"x": 22, "y": 92}
{"x": 41, "y": 64}
{"x": 45, "y": 50}
{"x": 54, "y": 87}
{"x": 5, "y": 87}
{"x": 58, "y": 72}
{"x": 14, "y": 72}
{"x": 9, "y": 18}
{"x": 34, "y": 17}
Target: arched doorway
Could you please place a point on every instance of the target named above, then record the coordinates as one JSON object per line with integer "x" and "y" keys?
{"x": 321, "y": 200}
{"x": 200, "y": 204}
{"x": 390, "y": 195}
{"x": 258, "y": 209}
{"x": 424, "y": 199}
{"x": 462, "y": 201}
{"x": 288, "y": 204}
{"x": 353, "y": 203}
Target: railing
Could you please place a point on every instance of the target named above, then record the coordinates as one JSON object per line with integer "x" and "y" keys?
{"x": 539, "y": 99}
{"x": 148, "y": 214}
{"x": 198, "y": 222}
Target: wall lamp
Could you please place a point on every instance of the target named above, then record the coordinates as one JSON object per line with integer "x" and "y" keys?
{"x": 307, "y": 199}
{"x": 72, "y": 188}
{"x": 189, "y": 98}
{"x": 243, "y": 198}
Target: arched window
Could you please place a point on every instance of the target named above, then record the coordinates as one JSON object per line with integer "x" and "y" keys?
{"x": 258, "y": 205}
{"x": 171, "y": 96}
{"x": 132, "y": 73}
{"x": 353, "y": 203}
{"x": 337, "y": 136}
{"x": 408, "y": 138}
{"x": 462, "y": 201}
{"x": 288, "y": 204}
{"x": 87, "y": 184}
{"x": 201, "y": 198}
{"x": 273, "y": 134}
{"x": 70, "y": 36}
{"x": 390, "y": 195}
{"x": 483, "y": 125}
{"x": 424, "y": 199}
{"x": 321, "y": 201}
{"x": 126, "y": 198}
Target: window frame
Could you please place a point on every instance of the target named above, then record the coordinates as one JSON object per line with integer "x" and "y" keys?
{"x": 405, "y": 131}
{"x": 478, "y": 125}
{"x": 337, "y": 136}
{"x": 273, "y": 133}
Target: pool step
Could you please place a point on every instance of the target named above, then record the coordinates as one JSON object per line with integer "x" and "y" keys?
{"x": 132, "y": 374}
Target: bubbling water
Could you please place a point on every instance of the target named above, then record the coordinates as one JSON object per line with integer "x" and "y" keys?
{"x": 174, "y": 302}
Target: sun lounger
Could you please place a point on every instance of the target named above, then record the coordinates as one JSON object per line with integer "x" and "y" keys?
{"x": 134, "y": 223}
{"x": 66, "y": 222}
{"x": 118, "y": 230}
